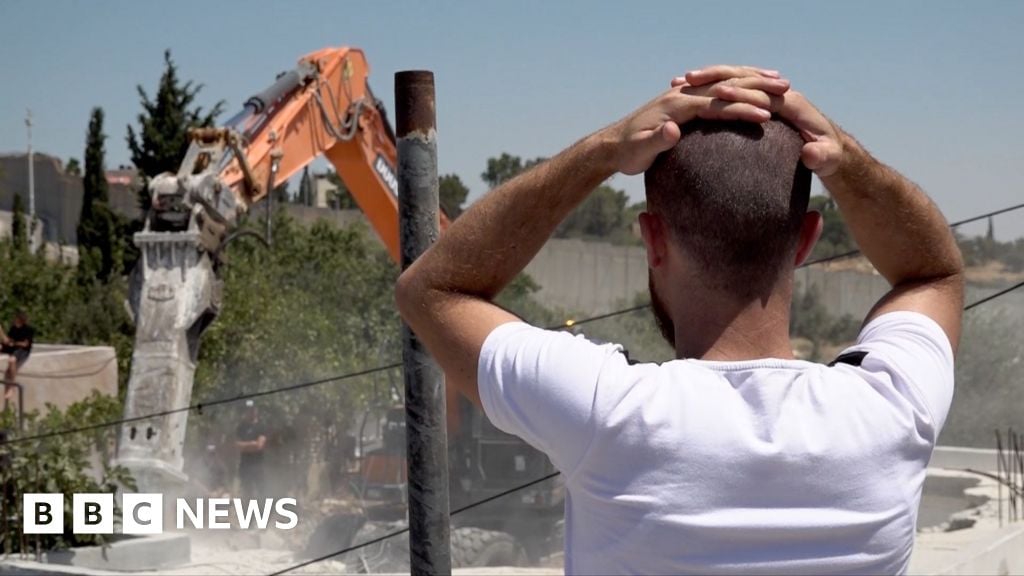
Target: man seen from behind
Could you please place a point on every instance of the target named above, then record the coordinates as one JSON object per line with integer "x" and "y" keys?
{"x": 735, "y": 457}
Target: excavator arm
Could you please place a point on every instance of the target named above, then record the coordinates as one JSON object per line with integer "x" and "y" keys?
{"x": 322, "y": 107}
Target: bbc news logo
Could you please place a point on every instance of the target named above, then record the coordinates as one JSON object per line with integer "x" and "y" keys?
{"x": 144, "y": 513}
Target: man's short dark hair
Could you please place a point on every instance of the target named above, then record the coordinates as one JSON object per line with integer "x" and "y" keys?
{"x": 733, "y": 195}
{"x": 21, "y": 315}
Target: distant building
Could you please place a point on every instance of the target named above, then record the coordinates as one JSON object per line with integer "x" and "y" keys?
{"x": 59, "y": 194}
{"x": 323, "y": 192}
{"x": 125, "y": 183}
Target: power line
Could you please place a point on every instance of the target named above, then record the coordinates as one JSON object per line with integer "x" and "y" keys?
{"x": 993, "y": 296}
{"x": 199, "y": 406}
{"x": 986, "y": 215}
{"x": 571, "y": 323}
{"x": 401, "y": 531}
{"x": 952, "y": 225}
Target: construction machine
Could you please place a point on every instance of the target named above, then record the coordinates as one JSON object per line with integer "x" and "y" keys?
{"x": 322, "y": 107}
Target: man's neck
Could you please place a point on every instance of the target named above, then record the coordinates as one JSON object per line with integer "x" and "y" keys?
{"x": 717, "y": 329}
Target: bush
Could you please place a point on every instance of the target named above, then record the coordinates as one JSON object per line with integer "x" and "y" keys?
{"x": 58, "y": 463}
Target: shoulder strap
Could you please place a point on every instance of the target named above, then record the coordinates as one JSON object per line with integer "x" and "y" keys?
{"x": 853, "y": 358}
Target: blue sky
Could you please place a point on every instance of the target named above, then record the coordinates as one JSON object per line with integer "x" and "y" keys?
{"x": 932, "y": 88}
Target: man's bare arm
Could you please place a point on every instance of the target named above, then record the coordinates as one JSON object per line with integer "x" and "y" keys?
{"x": 898, "y": 228}
{"x": 903, "y": 234}
{"x": 446, "y": 295}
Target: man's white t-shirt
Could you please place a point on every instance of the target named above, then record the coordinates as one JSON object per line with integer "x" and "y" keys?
{"x": 763, "y": 466}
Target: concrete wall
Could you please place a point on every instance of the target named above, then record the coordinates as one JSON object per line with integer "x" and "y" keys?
{"x": 595, "y": 277}
{"x": 842, "y": 292}
{"x": 589, "y": 277}
{"x": 62, "y": 375}
{"x": 58, "y": 196}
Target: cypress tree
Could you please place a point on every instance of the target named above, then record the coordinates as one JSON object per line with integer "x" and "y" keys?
{"x": 162, "y": 139}
{"x": 19, "y": 229}
{"x": 100, "y": 250}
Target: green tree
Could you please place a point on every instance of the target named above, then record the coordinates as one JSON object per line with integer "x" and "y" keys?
{"x": 452, "y": 194}
{"x": 305, "y": 196}
{"x": 988, "y": 375}
{"x": 19, "y": 228}
{"x": 341, "y": 198}
{"x": 835, "y": 236}
{"x": 162, "y": 138}
{"x": 63, "y": 308}
{"x": 281, "y": 194}
{"x": 58, "y": 463}
{"x": 451, "y": 190}
{"x": 73, "y": 168}
{"x": 506, "y": 167}
{"x": 601, "y": 215}
{"x": 604, "y": 215}
{"x": 100, "y": 243}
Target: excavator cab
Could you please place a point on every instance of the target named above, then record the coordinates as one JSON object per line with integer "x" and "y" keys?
{"x": 521, "y": 528}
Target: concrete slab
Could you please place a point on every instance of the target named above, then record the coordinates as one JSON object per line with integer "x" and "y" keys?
{"x": 62, "y": 375}
{"x": 132, "y": 554}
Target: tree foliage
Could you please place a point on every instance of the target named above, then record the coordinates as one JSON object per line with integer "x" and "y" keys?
{"x": 988, "y": 375}
{"x": 306, "y": 191}
{"x": 835, "y": 236}
{"x": 811, "y": 320}
{"x": 73, "y": 168}
{"x": 506, "y": 167}
{"x": 605, "y": 215}
{"x": 319, "y": 303}
{"x": 64, "y": 309}
{"x": 452, "y": 194}
{"x": 341, "y": 198}
{"x": 19, "y": 228}
{"x": 58, "y": 463}
{"x": 981, "y": 250}
{"x": 162, "y": 137}
{"x": 101, "y": 244}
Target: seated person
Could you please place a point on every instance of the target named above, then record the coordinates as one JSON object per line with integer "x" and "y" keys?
{"x": 16, "y": 345}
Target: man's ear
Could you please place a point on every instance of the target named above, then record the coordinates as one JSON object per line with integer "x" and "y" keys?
{"x": 654, "y": 233}
{"x": 810, "y": 231}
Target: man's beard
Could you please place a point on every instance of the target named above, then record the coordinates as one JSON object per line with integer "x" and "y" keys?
{"x": 661, "y": 317}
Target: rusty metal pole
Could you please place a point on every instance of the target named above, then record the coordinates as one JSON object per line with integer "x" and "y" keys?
{"x": 425, "y": 421}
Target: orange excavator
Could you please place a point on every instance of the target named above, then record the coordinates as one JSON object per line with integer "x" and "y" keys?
{"x": 324, "y": 106}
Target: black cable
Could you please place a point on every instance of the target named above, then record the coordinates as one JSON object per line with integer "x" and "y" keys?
{"x": 952, "y": 225}
{"x": 993, "y": 296}
{"x": 571, "y": 323}
{"x": 372, "y": 541}
{"x": 502, "y": 494}
{"x": 988, "y": 215}
{"x": 199, "y": 406}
